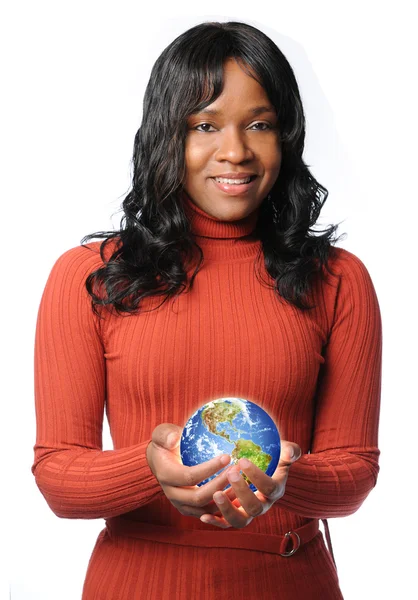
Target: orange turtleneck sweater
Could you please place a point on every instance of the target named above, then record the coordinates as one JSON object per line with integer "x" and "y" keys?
{"x": 317, "y": 373}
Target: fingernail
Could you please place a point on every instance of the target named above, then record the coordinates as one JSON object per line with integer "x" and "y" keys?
{"x": 225, "y": 460}
{"x": 219, "y": 498}
{"x": 171, "y": 440}
{"x": 233, "y": 475}
{"x": 205, "y": 519}
{"x": 245, "y": 463}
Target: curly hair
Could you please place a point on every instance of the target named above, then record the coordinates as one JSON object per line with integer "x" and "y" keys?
{"x": 155, "y": 245}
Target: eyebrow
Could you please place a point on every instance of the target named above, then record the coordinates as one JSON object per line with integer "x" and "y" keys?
{"x": 256, "y": 110}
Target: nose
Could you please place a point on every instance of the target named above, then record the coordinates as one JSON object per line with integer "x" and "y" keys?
{"x": 233, "y": 146}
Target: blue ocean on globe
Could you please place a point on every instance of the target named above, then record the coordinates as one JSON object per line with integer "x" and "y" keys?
{"x": 233, "y": 426}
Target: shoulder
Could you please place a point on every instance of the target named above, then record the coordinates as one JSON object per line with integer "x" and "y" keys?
{"x": 345, "y": 285}
{"x": 348, "y": 267}
{"x": 84, "y": 258}
{"x": 355, "y": 291}
{"x": 69, "y": 272}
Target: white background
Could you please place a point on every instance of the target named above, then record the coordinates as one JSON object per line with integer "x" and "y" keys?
{"x": 73, "y": 77}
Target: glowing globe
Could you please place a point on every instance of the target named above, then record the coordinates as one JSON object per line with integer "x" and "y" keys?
{"x": 232, "y": 426}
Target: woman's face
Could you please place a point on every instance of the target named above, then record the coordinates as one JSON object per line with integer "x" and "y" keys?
{"x": 235, "y": 136}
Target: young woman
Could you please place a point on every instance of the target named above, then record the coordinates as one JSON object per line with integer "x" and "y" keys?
{"x": 215, "y": 286}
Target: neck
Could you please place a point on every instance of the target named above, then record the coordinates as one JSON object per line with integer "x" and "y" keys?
{"x": 222, "y": 240}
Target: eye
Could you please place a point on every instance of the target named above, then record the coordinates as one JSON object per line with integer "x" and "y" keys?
{"x": 203, "y": 125}
{"x": 265, "y": 126}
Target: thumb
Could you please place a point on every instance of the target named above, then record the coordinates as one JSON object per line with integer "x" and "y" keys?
{"x": 167, "y": 435}
{"x": 292, "y": 451}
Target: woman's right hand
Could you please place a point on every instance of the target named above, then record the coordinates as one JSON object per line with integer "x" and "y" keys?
{"x": 179, "y": 482}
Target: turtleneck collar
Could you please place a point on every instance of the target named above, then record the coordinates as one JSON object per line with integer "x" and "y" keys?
{"x": 205, "y": 225}
{"x": 222, "y": 240}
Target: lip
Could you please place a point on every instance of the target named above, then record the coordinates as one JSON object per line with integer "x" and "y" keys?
{"x": 239, "y": 175}
{"x": 234, "y": 190}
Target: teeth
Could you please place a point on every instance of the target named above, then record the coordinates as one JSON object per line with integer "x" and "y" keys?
{"x": 232, "y": 181}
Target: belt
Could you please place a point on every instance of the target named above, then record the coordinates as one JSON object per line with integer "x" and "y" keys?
{"x": 223, "y": 538}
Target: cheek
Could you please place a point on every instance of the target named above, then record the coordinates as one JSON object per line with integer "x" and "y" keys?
{"x": 277, "y": 165}
{"x": 275, "y": 160}
{"x": 272, "y": 167}
{"x": 270, "y": 154}
{"x": 196, "y": 157}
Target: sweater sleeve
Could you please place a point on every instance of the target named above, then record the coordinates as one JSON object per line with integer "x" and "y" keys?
{"x": 334, "y": 479}
{"x": 76, "y": 477}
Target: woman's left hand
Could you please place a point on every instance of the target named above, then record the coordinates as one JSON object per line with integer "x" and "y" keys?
{"x": 248, "y": 504}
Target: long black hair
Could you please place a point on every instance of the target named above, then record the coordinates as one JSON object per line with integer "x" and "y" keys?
{"x": 155, "y": 246}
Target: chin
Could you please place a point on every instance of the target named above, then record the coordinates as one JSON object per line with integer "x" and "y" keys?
{"x": 231, "y": 215}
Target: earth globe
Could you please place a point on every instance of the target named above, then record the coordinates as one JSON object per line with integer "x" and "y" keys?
{"x": 233, "y": 426}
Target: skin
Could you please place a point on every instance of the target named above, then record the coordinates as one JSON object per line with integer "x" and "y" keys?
{"x": 240, "y": 504}
{"x": 233, "y": 140}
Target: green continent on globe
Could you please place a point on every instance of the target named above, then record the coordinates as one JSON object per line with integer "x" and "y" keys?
{"x": 222, "y": 412}
{"x": 254, "y": 453}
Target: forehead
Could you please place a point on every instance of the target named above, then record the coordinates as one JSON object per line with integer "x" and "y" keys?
{"x": 241, "y": 92}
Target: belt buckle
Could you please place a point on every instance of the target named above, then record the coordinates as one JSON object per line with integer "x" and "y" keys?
{"x": 293, "y": 535}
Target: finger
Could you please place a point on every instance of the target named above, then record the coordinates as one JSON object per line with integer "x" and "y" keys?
{"x": 212, "y": 509}
{"x": 167, "y": 435}
{"x": 234, "y": 516}
{"x": 290, "y": 453}
{"x": 171, "y": 470}
{"x": 230, "y": 493}
{"x": 248, "y": 500}
{"x": 216, "y": 517}
{"x": 198, "y": 497}
{"x": 215, "y": 510}
{"x": 218, "y": 521}
{"x": 197, "y": 501}
{"x": 271, "y": 487}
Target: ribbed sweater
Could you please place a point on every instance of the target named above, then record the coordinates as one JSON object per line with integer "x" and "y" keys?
{"x": 317, "y": 373}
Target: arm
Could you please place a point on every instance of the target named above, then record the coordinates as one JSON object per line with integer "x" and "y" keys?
{"x": 77, "y": 478}
{"x": 342, "y": 467}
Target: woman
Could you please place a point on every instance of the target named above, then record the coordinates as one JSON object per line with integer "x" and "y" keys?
{"x": 215, "y": 286}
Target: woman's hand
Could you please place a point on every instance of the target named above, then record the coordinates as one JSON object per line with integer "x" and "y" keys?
{"x": 248, "y": 504}
{"x": 179, "y": 481}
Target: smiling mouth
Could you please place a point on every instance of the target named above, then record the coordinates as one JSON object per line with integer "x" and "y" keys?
{"x": 231, "y": 181}
{"x": 234, "y": 188}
